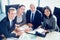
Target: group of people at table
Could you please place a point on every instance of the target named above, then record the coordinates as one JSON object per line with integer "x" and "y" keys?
{"x": 33, "y": 18}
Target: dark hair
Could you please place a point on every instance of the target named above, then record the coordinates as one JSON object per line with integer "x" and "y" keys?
{"x": 49, "y": 10}
{"x": 21, "y": 6}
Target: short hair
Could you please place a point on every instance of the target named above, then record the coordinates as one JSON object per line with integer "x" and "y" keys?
{"x": 21, "y": 6}
{"x": 11, "y": 8}
{"x": 32, "y": 4}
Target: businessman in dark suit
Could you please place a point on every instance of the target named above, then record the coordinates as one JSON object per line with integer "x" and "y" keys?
{"x": 0, "y": 32}
{"x": 0, "y": 37}
{"x": 8, "y": 24}
{"x": 33, "y": 17}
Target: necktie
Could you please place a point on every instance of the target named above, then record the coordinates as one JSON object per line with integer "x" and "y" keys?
{"x": 32, "y": 18}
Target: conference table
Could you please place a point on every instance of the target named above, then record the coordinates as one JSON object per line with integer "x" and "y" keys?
{"x": 50, "y": 36}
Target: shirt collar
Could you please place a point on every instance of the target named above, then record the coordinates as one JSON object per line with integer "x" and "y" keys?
{"x": 10, "y": 20}
{"x": 33, "y": 12}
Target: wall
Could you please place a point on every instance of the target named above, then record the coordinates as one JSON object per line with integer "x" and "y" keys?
{"x": 50, "y": 3}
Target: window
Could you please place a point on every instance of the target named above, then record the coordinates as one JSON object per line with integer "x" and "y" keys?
{"x": 50, "y": 3}
{"x": 0, "y": 7}
{"x": 24, "y": 2}
{"x": 3, "y": 3}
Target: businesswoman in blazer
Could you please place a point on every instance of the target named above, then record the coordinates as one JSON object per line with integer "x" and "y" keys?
{"x": 50, "y": 21}
{"x": 21, "y": 18}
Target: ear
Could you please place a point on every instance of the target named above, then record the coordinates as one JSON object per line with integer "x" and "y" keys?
{"x": 8, "y": 13}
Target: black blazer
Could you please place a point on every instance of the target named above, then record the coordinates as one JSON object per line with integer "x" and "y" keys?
{"x": 0, "y": 38}
{"x": 6, "y": 29}
{"x": 37, "y": 18}
{"x": 0, "y": 32}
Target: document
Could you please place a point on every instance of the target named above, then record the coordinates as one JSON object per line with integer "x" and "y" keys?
{"x": 39, "y": 30}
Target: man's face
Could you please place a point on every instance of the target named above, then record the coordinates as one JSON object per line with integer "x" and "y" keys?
{"x": 32, "y": 7}
{"x": 12, "y": 14}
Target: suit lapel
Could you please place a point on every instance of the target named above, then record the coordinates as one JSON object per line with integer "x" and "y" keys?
{"x": 35, "y": 16}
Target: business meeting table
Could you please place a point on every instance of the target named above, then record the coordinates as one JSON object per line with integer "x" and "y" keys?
{"x": 50, "y": 36}
{"x": 26, "y": 36}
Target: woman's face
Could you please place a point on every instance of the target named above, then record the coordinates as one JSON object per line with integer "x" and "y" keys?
{"x": 47, "y": 12}
{"x": 21, "y": 10}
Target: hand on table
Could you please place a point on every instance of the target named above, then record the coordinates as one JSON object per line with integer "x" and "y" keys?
{"x": 30, "y": 25}
{"x": 40, "y": 26}
{"x": 44, "y": 31}
{"x": 19, "y": 33}
{"x": 28, "y": 30}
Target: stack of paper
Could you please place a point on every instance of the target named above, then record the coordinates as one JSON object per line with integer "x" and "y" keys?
{"x": 39, "y": 30}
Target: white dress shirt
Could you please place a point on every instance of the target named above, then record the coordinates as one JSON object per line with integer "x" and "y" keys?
{"x": 10, "y": 22}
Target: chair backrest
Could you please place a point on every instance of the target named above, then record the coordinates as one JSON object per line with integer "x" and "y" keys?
{"x": 40, "y": 9}
{"x": 57, "y": 14}
{"x": 8, "y": 6}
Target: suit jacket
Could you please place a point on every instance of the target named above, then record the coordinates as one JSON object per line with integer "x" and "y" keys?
{"x": 0, "y": 38}
{"x": 37, "y": 18}
{"x": 0, "y": 32}
{"x": 6, "y": 29}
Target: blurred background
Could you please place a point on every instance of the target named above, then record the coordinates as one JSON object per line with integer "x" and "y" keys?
{"x": 53, "y": 4}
